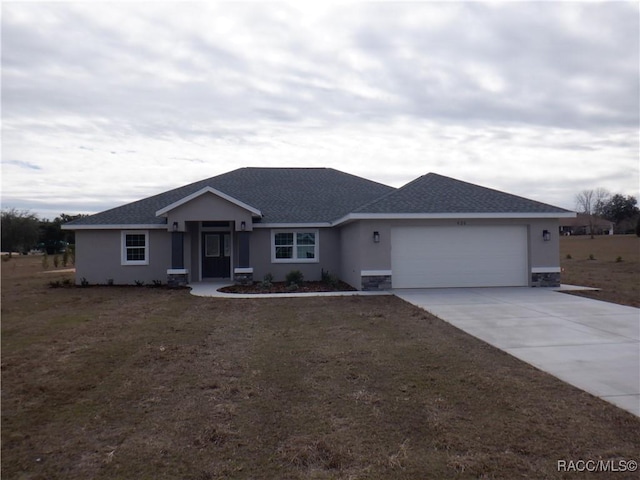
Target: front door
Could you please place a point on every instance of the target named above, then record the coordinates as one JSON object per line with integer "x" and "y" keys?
{"x": 216, "y": 255}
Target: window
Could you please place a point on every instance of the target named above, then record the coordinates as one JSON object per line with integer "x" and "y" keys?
{"x": 295, "y": 246}
{"x": 135, "y": 248}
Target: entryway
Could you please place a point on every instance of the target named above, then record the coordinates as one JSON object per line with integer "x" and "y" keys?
{"x": 216, "y": 255}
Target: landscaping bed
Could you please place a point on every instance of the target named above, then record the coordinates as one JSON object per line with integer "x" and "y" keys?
{"x": 283, "y": 287}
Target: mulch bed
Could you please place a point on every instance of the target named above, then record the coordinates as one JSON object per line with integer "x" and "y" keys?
{"x": 282, "y": 287}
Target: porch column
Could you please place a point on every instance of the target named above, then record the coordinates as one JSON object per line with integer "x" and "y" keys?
{"x": 243, "y": 246}
{"x": 243, "y": 274}
{"x": 177, "y": 249}
{"x": 177, "y": 275}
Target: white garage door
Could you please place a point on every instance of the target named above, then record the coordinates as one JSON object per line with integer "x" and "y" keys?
{"x": 466, "y": 256}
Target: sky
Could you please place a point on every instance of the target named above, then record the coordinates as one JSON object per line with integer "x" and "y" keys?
{"x": 106, "y": 103}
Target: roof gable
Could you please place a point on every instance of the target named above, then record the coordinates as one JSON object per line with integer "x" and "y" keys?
{"x": 204, "y": 191}
{"x": 437, "y": 194}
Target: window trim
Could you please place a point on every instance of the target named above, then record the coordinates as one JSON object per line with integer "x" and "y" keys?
{"x": 123, "y": 247}
{"x": 295, "y": 233}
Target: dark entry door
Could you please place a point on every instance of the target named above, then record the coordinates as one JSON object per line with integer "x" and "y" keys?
{"x": 216, "y": 255}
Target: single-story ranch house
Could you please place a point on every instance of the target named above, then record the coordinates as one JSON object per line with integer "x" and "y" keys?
{"x": 433, "y": 232}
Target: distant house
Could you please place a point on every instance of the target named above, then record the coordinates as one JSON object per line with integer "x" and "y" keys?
{"x": 433, "y": 232}
{"x": 582, "y": 224}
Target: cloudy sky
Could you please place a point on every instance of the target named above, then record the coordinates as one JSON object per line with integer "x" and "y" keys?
{"x": 108, "y": 103}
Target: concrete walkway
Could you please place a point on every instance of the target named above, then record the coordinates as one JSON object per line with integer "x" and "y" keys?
{"x": 590, "y": 344}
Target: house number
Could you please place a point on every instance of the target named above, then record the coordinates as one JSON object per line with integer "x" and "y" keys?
{"x": 461, "y": 222}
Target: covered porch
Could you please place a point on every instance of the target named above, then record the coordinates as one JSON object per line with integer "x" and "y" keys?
{"x": 210, "y": 238}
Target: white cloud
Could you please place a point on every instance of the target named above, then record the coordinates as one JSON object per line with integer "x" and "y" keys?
{"x": 540, "y": 100}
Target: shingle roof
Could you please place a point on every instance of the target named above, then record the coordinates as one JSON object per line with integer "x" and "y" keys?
{"x": 433, "y": 193}
{"x": 323, "y": 195}
{"x": 283, "y": 195}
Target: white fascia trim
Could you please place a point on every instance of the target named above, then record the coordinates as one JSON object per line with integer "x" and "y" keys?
{"x": 203, "y": 191}
{"x": 292, "y": 225}
{"x": 139, "y": 226}
{"x": 375, "y": 273}
{"x": 439, "y": 216}
{"x": 545, "y": 270}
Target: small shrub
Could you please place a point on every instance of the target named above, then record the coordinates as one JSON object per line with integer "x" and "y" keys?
{"x": 45, "y": 261}
{"x": 84, "y": 282}
{"x": 110, "y": 282}
{"x": 268, "y": 278}
{"x": 331, "y": 280}
{"x": 294, "y": 277}
{"x": 292, "y": 287}
{"x": 72, "y": 253}
{"x": 65, "y": 257}
{"x": 66, "y": 282}
{"x": 157, "y": 283}
{"x": 56, "y": 261}
{"x": 618, "y": 260}
{"x": 569, "y": 257}
{"x": 591, "y": 256}
{"x": 55, "y": 284}
{"x": 139, "y": 283}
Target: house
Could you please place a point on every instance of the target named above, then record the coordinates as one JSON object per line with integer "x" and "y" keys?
{"x": 583, "y": 223}
{"x": 433, "y": 232}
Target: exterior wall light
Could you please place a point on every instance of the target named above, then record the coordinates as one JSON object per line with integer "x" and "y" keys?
{"x": 175, "y": 226}
{"x": 243, "y": 226}
{"x": 546, "y": 235}
{"x": 376, "y": 237}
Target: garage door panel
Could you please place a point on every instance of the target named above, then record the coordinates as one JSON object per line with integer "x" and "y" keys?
{"x": 472, "y": 256}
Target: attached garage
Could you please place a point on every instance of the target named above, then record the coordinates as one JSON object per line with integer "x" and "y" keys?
{"x": 459, "y": 256}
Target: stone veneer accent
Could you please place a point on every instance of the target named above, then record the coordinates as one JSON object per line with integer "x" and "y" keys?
{"x": 545, "y": 279}
{"x": 243, "y": 276}
{"x": 177, "y": 278}
{"x": 375, "y": 280}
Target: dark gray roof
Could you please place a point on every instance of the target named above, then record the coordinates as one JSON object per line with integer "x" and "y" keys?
{"x": 283, "y": 195}
{"x": 433, "y": 193}
{"x": 323, "y": 195}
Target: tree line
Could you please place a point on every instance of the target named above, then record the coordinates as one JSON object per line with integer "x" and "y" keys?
{"x": 619, "y": 209}
{"x": 22, "y": 231}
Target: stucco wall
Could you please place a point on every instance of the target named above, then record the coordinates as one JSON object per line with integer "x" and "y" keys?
{"x": 99, "y": 254}
{"x": 350, "y": 240}
{"x": 541, "y": 253}
{"x": 329, "y": 256}
{"x": 208, "y": 207}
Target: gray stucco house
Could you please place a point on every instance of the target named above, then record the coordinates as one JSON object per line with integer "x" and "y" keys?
{"x": 433, "y": 232}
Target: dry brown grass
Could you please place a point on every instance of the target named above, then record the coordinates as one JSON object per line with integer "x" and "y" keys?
{"x": 123, "y": 383}
{"x": 614, "y": 267}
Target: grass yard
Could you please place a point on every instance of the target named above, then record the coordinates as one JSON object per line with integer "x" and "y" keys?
{"x": 142, "y": 383}
{"x": 614, "y": 267}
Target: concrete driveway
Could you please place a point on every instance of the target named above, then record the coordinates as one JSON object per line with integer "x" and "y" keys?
{"x": 590, "y": 344}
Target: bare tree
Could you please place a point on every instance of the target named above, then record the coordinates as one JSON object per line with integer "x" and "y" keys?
{"x": 588, "y": 202}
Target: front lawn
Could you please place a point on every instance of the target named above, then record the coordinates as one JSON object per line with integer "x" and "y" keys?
{"x": 142, "y": 383}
